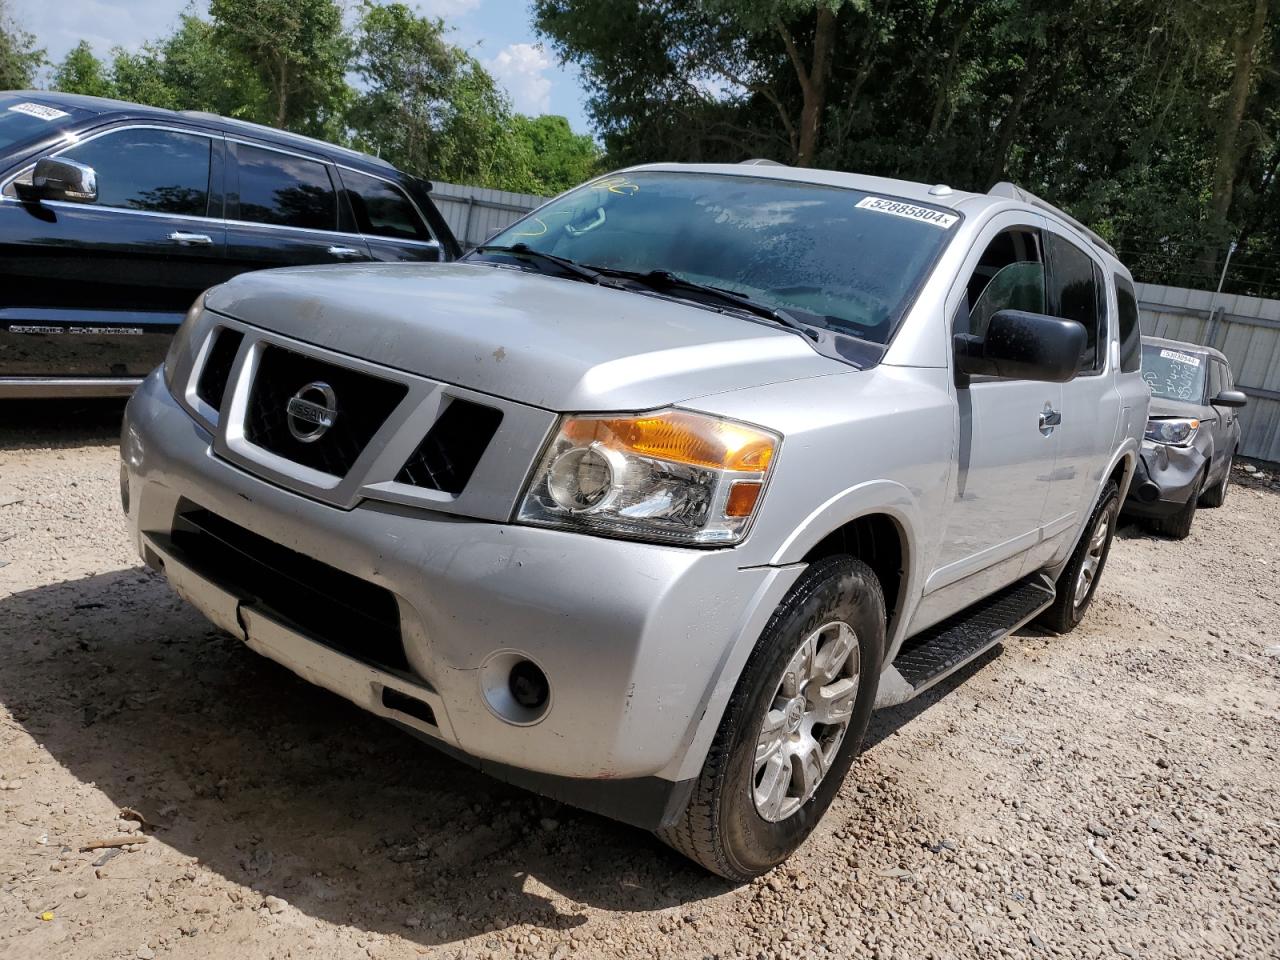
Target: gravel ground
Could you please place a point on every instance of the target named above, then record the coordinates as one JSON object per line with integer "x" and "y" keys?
{"x": 1109, "y": 793}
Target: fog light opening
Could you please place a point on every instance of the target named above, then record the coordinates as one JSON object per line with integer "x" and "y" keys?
{"x": 528, "y": 685}
{"x": 515, "y": 688}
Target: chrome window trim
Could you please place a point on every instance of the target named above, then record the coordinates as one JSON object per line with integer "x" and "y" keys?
{"x": 106, "y": 131}
{"x": 433, "y": 242}
{"x": 285, "y": 226}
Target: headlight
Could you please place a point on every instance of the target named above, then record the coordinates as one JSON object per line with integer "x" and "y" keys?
{"x": 1176, "y": 432}
{"x": 672, "y": 476}
{"x": 181, "y": 342}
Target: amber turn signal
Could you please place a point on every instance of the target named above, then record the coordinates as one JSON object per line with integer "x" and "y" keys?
{"x": 742, "y": 498}
{"x": 679, "y": 437}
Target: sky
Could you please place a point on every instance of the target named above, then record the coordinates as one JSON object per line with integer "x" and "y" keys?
{"x": 497, "y": 32}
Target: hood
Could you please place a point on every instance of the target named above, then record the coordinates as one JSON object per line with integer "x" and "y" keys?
{"x": 559, "y": 344}
{"x": 1162, "y": 407}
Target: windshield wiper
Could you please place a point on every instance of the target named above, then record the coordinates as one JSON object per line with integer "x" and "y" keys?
{"x": 666, "y": 280}
{"x": 523, "y": 250}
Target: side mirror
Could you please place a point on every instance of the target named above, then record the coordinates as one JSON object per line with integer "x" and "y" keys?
{"x": 1023, "y": 346}
{"x": 1230, "y": 398}
{"x": 58, "y": 179}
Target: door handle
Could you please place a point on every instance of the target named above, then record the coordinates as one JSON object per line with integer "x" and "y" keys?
{"x": 191, "y": 239}
{"x": 1049, "y": 419}
{"x": 345, "y": 252}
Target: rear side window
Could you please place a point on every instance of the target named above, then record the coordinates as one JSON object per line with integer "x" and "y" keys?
{"x": 381, "y": 208}
{"x": 285, "y": 190}
{"x": 1130, "y": 329}
{"x": 1073, "y": 294}
{"x": 160, "y": 171}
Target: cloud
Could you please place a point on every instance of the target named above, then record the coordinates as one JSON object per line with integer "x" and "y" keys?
{"x": 521, "y": 68}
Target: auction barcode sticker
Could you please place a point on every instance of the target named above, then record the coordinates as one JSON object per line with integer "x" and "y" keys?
{"x": 935, "y": 218}
{"x": 1180, "y": 357}
{"x": 38, "y": 110}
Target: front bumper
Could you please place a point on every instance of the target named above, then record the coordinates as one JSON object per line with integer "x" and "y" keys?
{"x": 634, "y": 638}
{"x": 1166, "y": 477}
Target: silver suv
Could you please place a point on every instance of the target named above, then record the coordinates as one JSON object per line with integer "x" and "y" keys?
{"x": 648, "y": 503}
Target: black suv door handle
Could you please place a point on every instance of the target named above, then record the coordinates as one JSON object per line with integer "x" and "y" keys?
{"x": 344, "y": 252}
{"x": 185, "y": 239}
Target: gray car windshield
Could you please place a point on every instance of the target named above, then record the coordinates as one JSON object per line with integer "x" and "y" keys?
{"x": 1173, "y": 374}
{"x": 831, "y": 257}
{"x": 22, "y": 119}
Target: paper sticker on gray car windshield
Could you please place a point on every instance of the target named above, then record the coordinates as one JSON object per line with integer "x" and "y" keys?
{"x": 935, "y": 218}
{"x": 1180, "y": 357}
{"x": 39, "y": 110}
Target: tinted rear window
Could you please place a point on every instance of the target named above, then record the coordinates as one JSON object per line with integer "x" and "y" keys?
{"x": 381, "y": 208}
{"x": 23, "y": 120}
{"x": 285, "y": 190}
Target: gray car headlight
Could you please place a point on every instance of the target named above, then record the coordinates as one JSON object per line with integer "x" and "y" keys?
{"x": 671, "y": 476}
{"x": 1175, "y": 431}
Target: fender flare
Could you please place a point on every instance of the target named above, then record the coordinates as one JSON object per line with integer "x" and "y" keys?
{"x": 871, "y": 497}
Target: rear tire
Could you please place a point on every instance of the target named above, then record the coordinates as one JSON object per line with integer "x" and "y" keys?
{"x": 1218, "y": 495}
{"x": 773, "y": 769}
{"x": 1079, "y": 578}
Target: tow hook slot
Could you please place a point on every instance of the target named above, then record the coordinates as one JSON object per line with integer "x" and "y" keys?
{"x": 393, "y": 699}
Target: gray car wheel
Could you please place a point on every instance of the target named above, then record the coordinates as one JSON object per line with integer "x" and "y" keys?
{"x": 793, "y": 726}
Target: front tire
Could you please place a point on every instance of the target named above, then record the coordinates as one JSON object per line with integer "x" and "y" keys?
{"x": 1079, "y": 579}
{"x": 793, "y": 726}
{"x": 1177, "y": 526}
{"x": 1218, "y": 495}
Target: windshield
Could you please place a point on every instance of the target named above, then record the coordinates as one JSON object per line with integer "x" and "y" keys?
{"x": 22, "y": 119}
{"x": 835, "y": 258}
{"x": 1173, "y": 374}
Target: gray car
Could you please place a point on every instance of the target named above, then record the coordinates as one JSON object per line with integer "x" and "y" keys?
{"x": 1191, "y": 438}
{"x": 647, "y": 503}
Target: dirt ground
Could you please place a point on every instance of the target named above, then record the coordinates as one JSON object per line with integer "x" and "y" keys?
{"x": 1114, "y": 792}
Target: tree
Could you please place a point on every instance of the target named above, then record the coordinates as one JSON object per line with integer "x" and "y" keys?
{"x": 430, "y": 107}
{"x": 299, "y": 53}
{"x": 20, "y": 58}
{"x": 559, "y": 157}
{"x": 82, "y": 72}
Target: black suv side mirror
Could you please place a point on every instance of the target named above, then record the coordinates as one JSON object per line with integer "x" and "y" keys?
{"x": 1230, "y": 398}
{"x": 57, "y": 179}
{"x": 1023, "y": 346}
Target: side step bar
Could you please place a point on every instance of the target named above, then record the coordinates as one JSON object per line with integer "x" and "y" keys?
{"x": 939, "y": 651}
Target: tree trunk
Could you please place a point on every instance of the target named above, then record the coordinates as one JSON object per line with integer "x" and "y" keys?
{"x": 282, "y": 96}
{"x": 813, "y": 81}
{"x": 1227, "y": 154}
{"x": 1009, "y": 125}
{"x": 948, "y": 73}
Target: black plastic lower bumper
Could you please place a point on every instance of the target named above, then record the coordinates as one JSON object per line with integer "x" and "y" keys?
{"x": 1165, "y": 478}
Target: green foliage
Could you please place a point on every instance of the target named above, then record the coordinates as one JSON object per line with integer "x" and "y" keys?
{"x": 298, "y": 52}
{"x": 20, "y": 58}
{"x": 1116, "y": 111}
{"x": 559, "y": 158}
{"x": 82, "y": 72}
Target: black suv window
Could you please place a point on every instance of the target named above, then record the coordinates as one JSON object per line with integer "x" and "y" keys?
{"x": 285, "y": 190}
{"x": 381, "y": 208}
{"x": 1130, "y": 328}
{"x": 162, "y": 171}
{"x": 1073, "y": 294}
{"x": 1010, "y": 276}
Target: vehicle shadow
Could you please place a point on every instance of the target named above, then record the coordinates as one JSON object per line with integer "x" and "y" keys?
{"x": 58, "y": 424}
{"x": 291, "y": 791}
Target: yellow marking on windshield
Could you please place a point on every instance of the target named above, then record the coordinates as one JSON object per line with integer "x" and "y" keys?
{"x": 619, "y": 185}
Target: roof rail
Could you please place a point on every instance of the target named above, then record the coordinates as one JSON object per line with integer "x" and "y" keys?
{"x": 1015, "y": 192}
{"x": 760, "y": 162}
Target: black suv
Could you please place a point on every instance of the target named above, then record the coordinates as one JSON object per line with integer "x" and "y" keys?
{"x": 114, "y": 217}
